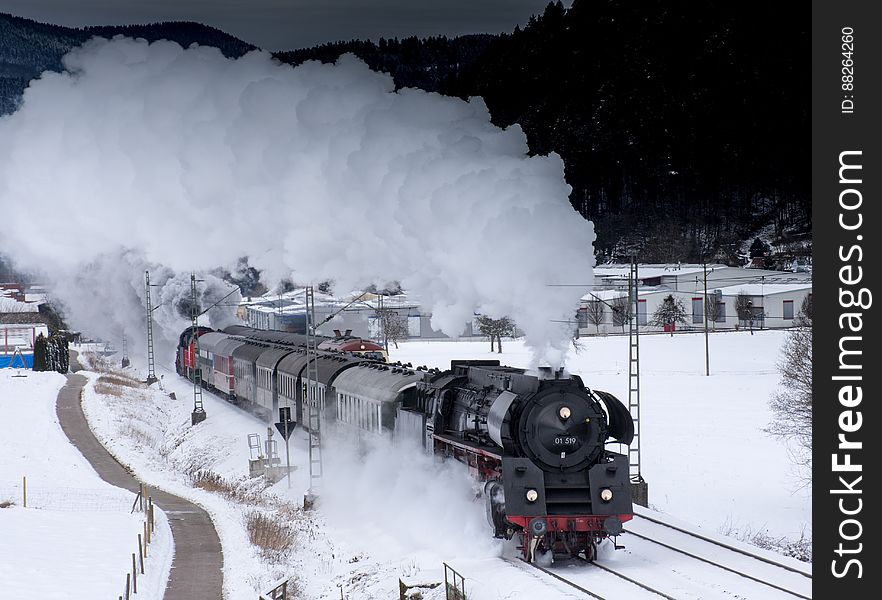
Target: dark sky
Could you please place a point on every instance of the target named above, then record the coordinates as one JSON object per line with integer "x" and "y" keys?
{"x": 289, "y": 24}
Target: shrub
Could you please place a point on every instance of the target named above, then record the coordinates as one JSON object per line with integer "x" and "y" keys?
{"x": 270, "y": 534}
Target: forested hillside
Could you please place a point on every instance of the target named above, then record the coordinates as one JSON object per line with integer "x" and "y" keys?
{"x": 685, "y": 133}
{"x": 28, "y": 48}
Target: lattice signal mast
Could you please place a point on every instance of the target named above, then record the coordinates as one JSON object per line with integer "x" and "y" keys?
{"x": 198, "y": 415}
{"x": 151, "y": 358}
{"x": 315, "y": 438}
{"x": 638, "y": 485}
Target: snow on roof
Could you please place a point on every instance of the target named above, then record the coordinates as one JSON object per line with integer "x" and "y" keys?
{"x": 295, "y": 301}
{"x": 768, "y": 289}
{"x": 605, "y": 295}
{"x": 10, "y": 305}
{"x": 652, "y": 270}
{"x": 608, "y": 295}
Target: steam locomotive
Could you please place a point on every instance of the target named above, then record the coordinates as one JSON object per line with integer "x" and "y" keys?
{"x": 538, "y": 443}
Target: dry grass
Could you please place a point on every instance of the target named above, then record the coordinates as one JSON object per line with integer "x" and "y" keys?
{"x": 120, "y": 379}
{"x": 134, "y": 432}
{"x": 212, "y": 482}
{"x": 270, "y": 534}
{"x": 109, "y": 390}
{"x": 95, "y": 362}
{"x": 240, "y": 491}
{"x": 6, "y": 503}
{"x": 798, "y": 548}
{"x": 114, "y": 383}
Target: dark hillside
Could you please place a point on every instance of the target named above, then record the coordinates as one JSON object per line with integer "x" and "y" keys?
{"x": 28, "y": 48}
{"x": 684, "y": 133}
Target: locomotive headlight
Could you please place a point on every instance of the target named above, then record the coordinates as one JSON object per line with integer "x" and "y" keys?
{"x": 532, "y": 495}
{"x": 606, "y": 494}
{"x": 565, "y": 412}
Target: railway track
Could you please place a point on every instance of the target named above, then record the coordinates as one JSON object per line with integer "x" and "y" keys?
{"x": 667, "y": 561}
{"x": 603, "y": 588}
{"x": 790, "y": 580}
{"x": 805, "y": 572}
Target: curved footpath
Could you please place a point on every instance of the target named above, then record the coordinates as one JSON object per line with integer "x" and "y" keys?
{"x": 197, "y": 565}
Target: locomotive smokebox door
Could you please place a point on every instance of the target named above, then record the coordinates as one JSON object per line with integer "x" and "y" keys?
{"x": 610, "y": 487}
{"x": 524, "y": 485}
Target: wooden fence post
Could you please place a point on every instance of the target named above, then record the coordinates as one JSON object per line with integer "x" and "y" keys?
{"x": 146, "y": 538}
{"x": 141, "y": 553}
{"x": 134, "y": 576}
{"x": 128, "y": 583}
{"x": 24, "y": 491}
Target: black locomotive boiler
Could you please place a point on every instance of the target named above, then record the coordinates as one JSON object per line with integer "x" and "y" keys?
{"x": 539, "y": 443}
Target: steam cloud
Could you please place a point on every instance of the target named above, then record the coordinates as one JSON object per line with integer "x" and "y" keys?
{"x": 152, "y": 156}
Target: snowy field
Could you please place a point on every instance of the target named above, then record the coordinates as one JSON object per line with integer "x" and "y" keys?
{"x": 76, "y": 537}
{"x": 387, "y": 513}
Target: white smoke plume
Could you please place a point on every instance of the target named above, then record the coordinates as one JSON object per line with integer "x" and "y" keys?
{"x": 108, "y": 296}
{"x": 404, "y": 501}
{"x": 149, "y": 154}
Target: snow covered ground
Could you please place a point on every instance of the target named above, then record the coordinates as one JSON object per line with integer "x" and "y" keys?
{"x": 76, "y": 536}
{"x": 385, "y": 514}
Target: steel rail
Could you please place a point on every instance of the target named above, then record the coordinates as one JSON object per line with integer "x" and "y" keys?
{"x": 718, "y": 565}
{"x": 520, "y": 561}
{"x": 630, "y": 580}
{"x": 723, "y": 545}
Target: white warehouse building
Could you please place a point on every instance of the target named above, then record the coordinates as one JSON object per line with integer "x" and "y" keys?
{"x": 775, "y": 297}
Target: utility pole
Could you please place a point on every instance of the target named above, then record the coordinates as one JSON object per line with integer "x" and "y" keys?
{"x": 151, "y": 360}
{"x": 381, "y": 321}
{"x": 315, "y": 439}
{"x": 639, "y": 488}
{"x": 706, "y": 343}
{"x": 198, "y": 415}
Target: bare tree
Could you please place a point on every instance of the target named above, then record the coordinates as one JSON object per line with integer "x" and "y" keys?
{"x": 744, "y": 309}
{"x": 713, "y": 310}
{"x": 622, "y": 311}
{"x": 792, "y": 404}
{"x": 393, "y": 326}
{"x": 595, "y": 311}
{"x": 495, "y": 329}
{"x": 670, "y": 312}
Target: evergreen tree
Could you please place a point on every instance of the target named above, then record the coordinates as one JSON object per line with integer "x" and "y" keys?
{"x": 41, "y": 353}
{"x": 61, "y": 353}
{"x": 670, "y": 312}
